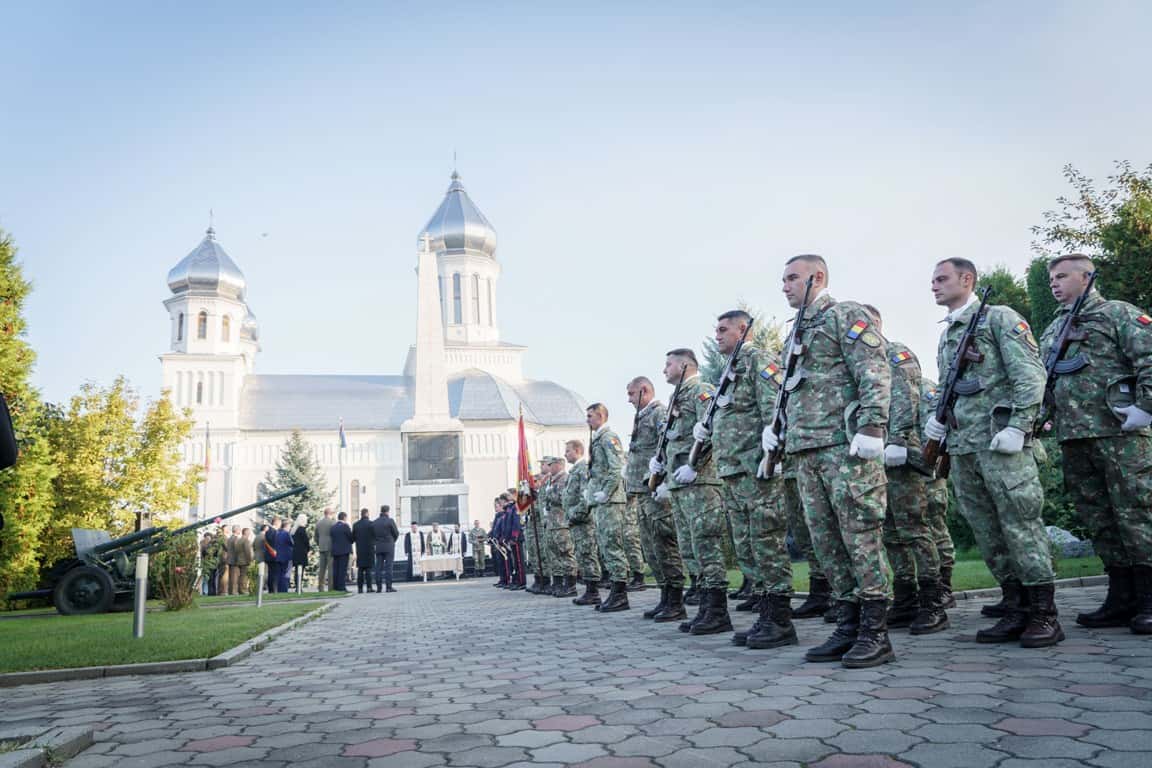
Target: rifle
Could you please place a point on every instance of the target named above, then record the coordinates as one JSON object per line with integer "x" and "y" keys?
{"x": 727, "y": 381}
{"x": 935, "y": 453}
{"x": 792, "y": 353}
{"x": 1055, "y": 365}
{"x": 656, "y": 480}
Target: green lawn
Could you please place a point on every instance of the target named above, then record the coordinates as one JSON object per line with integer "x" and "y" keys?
{"x": 90, "y": 641}
{"x": 269, "y": 596}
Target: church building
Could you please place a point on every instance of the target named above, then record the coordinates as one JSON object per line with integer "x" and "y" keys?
{"x": 436, "y": 441}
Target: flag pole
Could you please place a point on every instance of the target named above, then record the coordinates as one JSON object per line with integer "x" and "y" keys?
{"x": 340, "y": 456}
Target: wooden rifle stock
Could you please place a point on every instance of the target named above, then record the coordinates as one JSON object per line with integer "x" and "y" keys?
{"x": 656, "y": 479}
{"x": 779, "y": 410}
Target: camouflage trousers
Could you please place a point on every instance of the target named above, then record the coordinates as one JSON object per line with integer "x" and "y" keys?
{"x": 1110, "y": 482}
{"x": 478, "y": 555}
{"x": 936, "y": 492}
{"x": 794, "y": 510}
{"x": 1001, "y": 498}
{"x": 703, "y": 508}
{"x": 536, "y": 549}
{"x": 658, "y": 535}
{"x": 844, "y": 500}
{"x": 759, "y": 527}
{"x": 610, "y": 525}
{"x": 584, "y": 544}
{"x": 632, "y": 539}
{"x": 907, "y": 537}
{"x": 682, "y": 520}
{"x": 560, "y": 550}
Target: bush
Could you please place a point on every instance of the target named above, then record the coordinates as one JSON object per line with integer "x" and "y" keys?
{"x": 174, "y": 572}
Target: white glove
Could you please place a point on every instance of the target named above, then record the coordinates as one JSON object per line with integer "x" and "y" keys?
{"x": 684, "y": 475}
{"x": 587, "y": 495}
{"x": 1007, "y": 440}
{"x": 866, "y": 446}
{"x": 599, "y": 497}
{"x": 1134, "y": 417}
{"x": 701, "y": 433}
{"x": 723, "y": 401}
{"x": 662, "y": 492}
{"x": 654, "y": 466}
{"x": 895, "y": 455}
{"x": 762, "y": 469}
{"x": 934, "y": 430}
{"x": 769, "y": 440}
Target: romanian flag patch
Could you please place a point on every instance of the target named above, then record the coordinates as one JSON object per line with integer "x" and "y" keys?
{"x": 901, "y": 357}
{"x": 857, "y": 329}
{"x": 930, "y": 395}
{"x": 772, "y": 373}
{"x": 1144, "y": 320}
{"x": 1020, "y": 327}
{"x": 704, "y": 397}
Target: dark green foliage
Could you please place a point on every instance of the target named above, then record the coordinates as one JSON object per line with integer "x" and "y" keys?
{"x": 297, "y": 465}
{"x": 1006, "y": 289}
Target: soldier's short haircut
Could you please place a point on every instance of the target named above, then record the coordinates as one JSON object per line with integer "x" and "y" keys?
{"x": 1082, "y": 262}
{"x": 874, "y": 312}
{"x": 736, "y": 314}
{"x": 683, "y": 352}
{"x": 576, "y": 445}
{"x": 642, "y": 381}
{"x": 963, "y": 266}
{"x": 814, "y": 259}
{"x": 598, "y": 408}
{"x": 384, "y": 508}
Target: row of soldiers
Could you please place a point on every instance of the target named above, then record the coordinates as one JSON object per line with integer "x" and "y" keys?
{"x": 842, "y": 466}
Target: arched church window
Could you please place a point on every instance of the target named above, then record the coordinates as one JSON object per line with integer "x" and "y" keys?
{"x": 199, "y": 392}
{"x": 180, "y": 327}
{"x": 491, "y": 322}
{"x": 225, "y": 328}
{"x": 202, "y": 325}
{"x": 457, "y": 313}
{"x": 476, "y": 299}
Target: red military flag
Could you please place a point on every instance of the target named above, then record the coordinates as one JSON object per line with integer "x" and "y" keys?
{"x": 525, "y": 484}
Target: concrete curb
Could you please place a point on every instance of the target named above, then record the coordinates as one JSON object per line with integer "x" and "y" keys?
{"x": 48, "y": 748}
{"x": 225, "y": 659}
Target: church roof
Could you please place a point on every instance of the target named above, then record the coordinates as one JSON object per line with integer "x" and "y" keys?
{"x": 458, "y": 226}
{"x": 208, "y": 269}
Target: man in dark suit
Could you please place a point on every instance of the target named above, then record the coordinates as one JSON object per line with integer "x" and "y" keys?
{"x": 365, "y": 537}
{"x": 413, "y": 547}
{"x": 324, "y": 547}
{"x": 341, "y": 549}
{"x": 386, "y": 535}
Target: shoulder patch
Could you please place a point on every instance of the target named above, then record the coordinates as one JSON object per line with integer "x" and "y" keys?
{"x": 902, "y": 356}
{"x": 1144, "y": 320}
{"x": 704, "y": 396}
{"x": 772, "y": 373}
{"x": 615, "y": 442}
{"x": 1022, "y": 327}
{"x": 930, "y": 394}
{"x": 857, "y": 328}
{"x": 870, "y": 339}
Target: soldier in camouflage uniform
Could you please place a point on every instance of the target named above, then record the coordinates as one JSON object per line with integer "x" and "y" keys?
{"x": 605, "y": 494}
{"x": 535, "y": 531}
{"x": 479, "y": 539}
{"x": 753, "y": 505}
{"x": 936, "y": 492}
{"x": 560, "y": 551}
{"x": 836, "y": 418}
{"x": 658, "y": 529}
{"x": 695, "y": 494}
{"x": 1102, "y": 412}
{"x": 917, "y": 602}
{"x": 580, "y": 523}
{"x": 993, "y": 470}
{"x": 818, "y": 602}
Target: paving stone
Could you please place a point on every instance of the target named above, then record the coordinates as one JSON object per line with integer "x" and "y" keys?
{"x": 567, "y": 753}
{"x": 694, "y": 758}
{"x": 860, "y": 742}
{"x": 783, "y": 750}
{"x": 1129, "y": 741}
{"x": 649, "y": 746}
{"x": 379, "y": 747}
{"x": 952, "y": 756}
{"x": 1047, "y": 746}
{"x": 1041, "y": 727}
{"x": 859, "y": 761}
{"x": 806, "y": 729}
{"x": 218, "y": 743}
{"x": 874, "y": 722}
{"x": 616, "y": 762}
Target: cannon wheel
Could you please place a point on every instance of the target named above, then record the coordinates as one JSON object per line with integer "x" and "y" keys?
{"x": 82, "y": 590}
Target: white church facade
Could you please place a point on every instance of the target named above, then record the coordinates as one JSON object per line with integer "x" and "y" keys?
{"x": 436, "y": 441}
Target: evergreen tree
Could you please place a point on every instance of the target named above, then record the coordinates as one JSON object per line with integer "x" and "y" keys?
{"x": 25, "y": 489}
{"x": 1040, "y": 295}
{"x": 1007, "y": 289}
{"x": 296, "y": 466}
{"x": 766, "y": 335}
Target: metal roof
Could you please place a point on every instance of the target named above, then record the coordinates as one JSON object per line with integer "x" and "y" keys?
{"x": 208, "y": 269}
{"x": 458, "y": 226}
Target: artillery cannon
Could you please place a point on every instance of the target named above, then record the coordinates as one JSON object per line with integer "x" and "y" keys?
{"x": 102, "y": 575}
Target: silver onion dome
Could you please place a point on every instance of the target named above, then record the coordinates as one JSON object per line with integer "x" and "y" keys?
{"x": 208, "y": 269}
{"x": 458, "y": 226}
{"x": 250, "y": 329}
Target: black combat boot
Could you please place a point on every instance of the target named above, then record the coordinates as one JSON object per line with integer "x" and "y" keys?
{"x": 702, "y": 607}
{"x": 776, "y": 628}
{"x": 591, "y": 595}
{"x": 872, "y": 647}
{"x": 692, "y": 596}
{"x": 819, "y": 599}
{"x": 741, "y": 637}
{"x": 605, "y": 581}
{"x": 842, "y": 638}
{"x": 931, "y": 617}
{"x": 617, "y": 599}
{"x": 566, "y": 588}
{"x": 674, "y": 609}
{"x": 651, "y": 612}
{"x": 1141, "y": 623}
{"x": 1118, "y": 608}
{"x": 905, "y": 604}
{"x": 1014, "y": 620}
{"x": 534, "y": 587}
{"x": 751, "y": 604}
{"x": 545, "y": 586}
{"x": 832, "y": 615}
{"x": 946, "y": 598}
{"x": 716, "y": 620}
{"x": 1043, "y": 627}
{"x": 745, "y": 587}
{"x": 1001, "y": 608}
{"x": 637, "y": 584}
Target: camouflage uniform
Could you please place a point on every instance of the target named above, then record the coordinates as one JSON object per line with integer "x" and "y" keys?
{"x": 605, "y": 462}
{"x": 560, "y": 550}
{"x": 797, "y": 525}
{"x": 936, "y": 489}
{"x": 698, "y": 507}
{"x": 580, "y": 524}
{"x": 1107, "y": 471}
{"x": 479, "y": 538}
{"x": 843, "y": 384}
{"x": 658, "y": 530}
{"x": 536, "y": 535}
{"x": 754, "y": 506}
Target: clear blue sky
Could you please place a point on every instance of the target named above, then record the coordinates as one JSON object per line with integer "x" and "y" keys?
{"x": 645, "y": 168}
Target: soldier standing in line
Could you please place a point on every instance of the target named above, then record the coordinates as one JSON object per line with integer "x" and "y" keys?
{"x": 818, "y": 602}
{"x": 753, "y": 505}
{"x": 1103, "y": 411}
{"x": 835, "y": 431}
{"x": 479, "y": 539}
{"x": 936, "y": 493}
{"x": 534, "y": 526}
{"x": 993, "y": 470}
{"x": 658, "y": 530}
{"x": 605, "y": 494}
{"x": 560, "y": 551}
{"x": 917, "y": 603}
{"x": 579, "y": 517}
{"x": 695, "y": 494}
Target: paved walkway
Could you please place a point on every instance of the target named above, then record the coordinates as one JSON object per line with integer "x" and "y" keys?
{"x": 467, "y": 675}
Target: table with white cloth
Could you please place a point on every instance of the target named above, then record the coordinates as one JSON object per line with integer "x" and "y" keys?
{"x": 434, "y": 563}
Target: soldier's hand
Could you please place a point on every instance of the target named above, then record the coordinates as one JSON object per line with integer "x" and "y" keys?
{"x": 654, "y": 466}
{"x": 1007, "y": 440}
{"x": 587, "y": 495}
{"x": 866, "y": 446}
{"x": 769, "y": 440}
{"x": 895, "y": 455}
{"x": 1134, "y": 417}
{"x": 701, "y": 433}
{"x": 684, "y": 475}
{"x": 934, "y": 430}
{"x": 599, "y": 497}
{"x": 762, "y": 469}
{"x": 661, "y": 493}
{"x": 723, "y": 401}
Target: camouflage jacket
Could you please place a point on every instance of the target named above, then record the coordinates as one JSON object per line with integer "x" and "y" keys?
{"x": 842, "y": 382}
{"x": 554, "y": 500}
{"x": 576, "y": 510}
{"x": 1118, "y": 346}
{"x": 606, "y": 465}
{"x": 744, "y": 411}
{"x": 904, "y": 413}
{"x": 642, "y": 445}
{"x": 1009, "y": 379}
{"x": 479, "y": 536}
{"x": 929, "y": 399}
{"x": 687, "y": 409}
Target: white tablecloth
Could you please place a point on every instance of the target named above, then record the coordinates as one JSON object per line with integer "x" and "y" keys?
{"x": 435, "y": 563}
